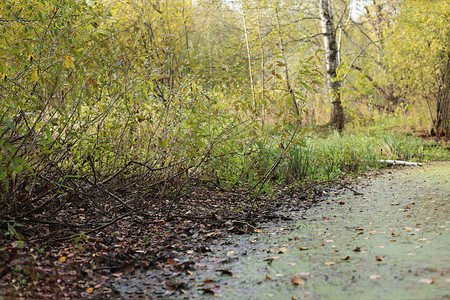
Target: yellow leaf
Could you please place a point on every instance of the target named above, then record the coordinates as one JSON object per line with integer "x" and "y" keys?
{"x": 89, "y": 290}
{"x": 283, "y": 250}
{"x": 34, "y": 75}
{"x": 62, "y": 259}
{"x": 69, "y": 60}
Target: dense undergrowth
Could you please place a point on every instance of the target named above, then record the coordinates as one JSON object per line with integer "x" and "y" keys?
{"x": 92, "y": 101}
{"x": 115, "y": 138}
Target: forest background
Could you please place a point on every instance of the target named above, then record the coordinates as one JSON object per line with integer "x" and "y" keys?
{"x": 135, "y": 102}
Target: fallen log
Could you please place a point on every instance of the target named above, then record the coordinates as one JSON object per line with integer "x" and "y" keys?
{"x": 398, "y": 162}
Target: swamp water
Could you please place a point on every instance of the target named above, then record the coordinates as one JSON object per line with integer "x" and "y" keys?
{"x": 392, "y": 242}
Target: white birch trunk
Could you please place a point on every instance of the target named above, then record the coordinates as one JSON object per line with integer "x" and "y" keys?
{"x": 398, "y": 162}
{"x": 331, "y": 60}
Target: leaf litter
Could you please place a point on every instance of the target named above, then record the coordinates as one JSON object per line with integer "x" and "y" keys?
{"x": 65, "y": 254}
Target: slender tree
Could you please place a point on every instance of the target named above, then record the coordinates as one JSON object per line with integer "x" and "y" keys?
{"x": 332, "y": 63}
{"x": 249, "y": 56}
{"x": 286, "y": 71}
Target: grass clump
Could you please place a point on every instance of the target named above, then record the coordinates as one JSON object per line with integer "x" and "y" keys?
{"x": 336, "y": 155}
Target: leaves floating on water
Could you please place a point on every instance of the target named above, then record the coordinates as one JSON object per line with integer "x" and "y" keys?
{"x": 426, "y": 280}
{"x": 296, "y": 280}
{"x": 283, "y": 250}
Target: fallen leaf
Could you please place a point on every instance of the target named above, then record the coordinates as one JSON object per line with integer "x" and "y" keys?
{"x": 378, "y": 258}
{"x": 426, "y": 280}
{"x": 374, "y": 276}
{"x": 62, "y": 259}
{"x": 208, "y": 291}
{"x": 346, "y": 258}
{"x": 296, "y": 238}
{"x": 272, "y": 258}
{"x": 302, "y": 248}
{"x": 357, "y": 249}
{"x": 230, "y": 253}
{"x": 89, "y": 290}
{"x": 330, "y": 263}
{"x": 283, "y": 250}
{"x": 127, "y": 267}
{"x": 171, "y": 262}
{"x": 225, "y": 272}
{"x": 297, "y": 280}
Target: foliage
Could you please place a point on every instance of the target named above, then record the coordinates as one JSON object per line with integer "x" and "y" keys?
{"x": 419, "y": 55}
{"x": 338, "y": 155}
{"x": 134, "y": 94}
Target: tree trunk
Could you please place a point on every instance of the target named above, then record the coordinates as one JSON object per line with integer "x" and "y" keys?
{"x": 442, "y": 121}
{"x": 286, "y": 70}
{"x": 249, "y": 56}
{"x": 331, "y": 60}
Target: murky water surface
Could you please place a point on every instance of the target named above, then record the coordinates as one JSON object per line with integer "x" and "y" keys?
{"x": 390, "y": 243}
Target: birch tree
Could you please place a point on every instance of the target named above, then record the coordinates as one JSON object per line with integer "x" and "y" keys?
{"x": 332, "y": 63}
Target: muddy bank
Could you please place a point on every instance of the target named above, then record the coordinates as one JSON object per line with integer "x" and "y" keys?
{"x": 390, "y": 243}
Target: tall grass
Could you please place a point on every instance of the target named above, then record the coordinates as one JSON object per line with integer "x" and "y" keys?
{"x": 337, "y": 155}
{"x": 322, "y": 157}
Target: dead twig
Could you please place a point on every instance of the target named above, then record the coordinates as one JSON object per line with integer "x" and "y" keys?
{"x": 356, "y": 193}
{"x": 263, "y": 180}
{"x": 97, "y": 228}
